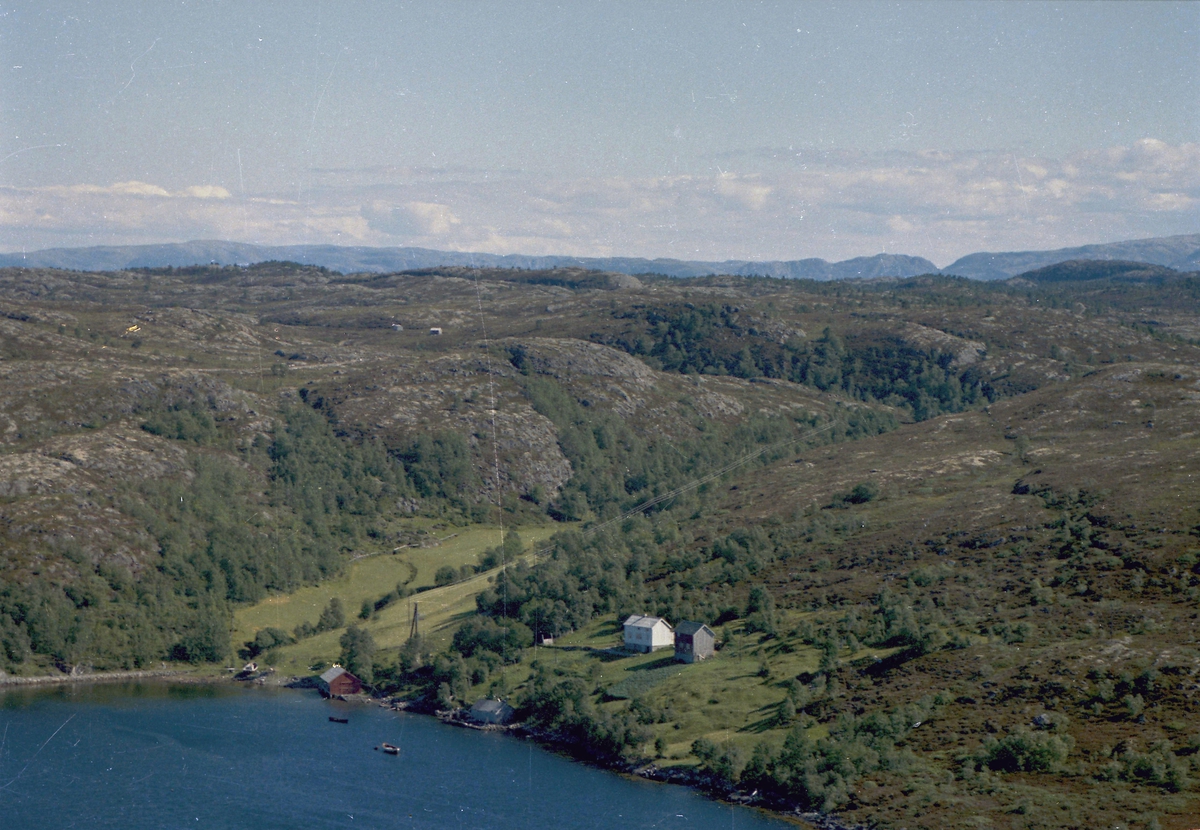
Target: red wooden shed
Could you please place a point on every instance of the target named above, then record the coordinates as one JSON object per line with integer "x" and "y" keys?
{"x": 338, "y": 681}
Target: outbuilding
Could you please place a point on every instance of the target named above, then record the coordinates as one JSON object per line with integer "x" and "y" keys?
{"x": 337, "y": 681}
{"x": 694, "y": 642}
{"x": 491, "y": 711}
{"x": 647, "y": 634}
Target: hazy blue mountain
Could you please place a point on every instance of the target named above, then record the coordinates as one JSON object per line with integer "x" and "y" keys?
{"x": 1079, "y": 270}
{"x": 1179, "y": 252}
{"x": 362, "y": 259}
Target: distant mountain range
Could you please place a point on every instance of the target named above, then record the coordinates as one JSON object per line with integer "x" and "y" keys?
{"x": 1181, "y": 253}
{"x": 1178, "y": 252}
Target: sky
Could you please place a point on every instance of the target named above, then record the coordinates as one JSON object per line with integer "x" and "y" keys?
{"x": 707, "y": 131}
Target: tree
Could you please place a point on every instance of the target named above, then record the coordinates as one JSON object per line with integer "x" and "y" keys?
{"x": 332, "y": 617}
{"x": 207, "y": 638}
{"x": 760, "y": 611}
{"x": 358, "y": 653}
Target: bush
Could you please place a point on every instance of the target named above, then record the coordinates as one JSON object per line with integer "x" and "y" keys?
{"x": 1025, "y": 751}
{"x": 265, "y": 640}
{"x": 480, "y": 634}
{"x": 1158, "y": 766}
{"x": 445, "y": 575}
{"x": 859, "y": 494}
{"x": 723, "y": 764}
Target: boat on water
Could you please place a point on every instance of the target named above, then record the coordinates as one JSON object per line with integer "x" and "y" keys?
{"x": 390, "y": 749}
{"x": 335, "y": 719}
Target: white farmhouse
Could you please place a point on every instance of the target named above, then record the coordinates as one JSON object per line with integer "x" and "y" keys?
{"x": 648, "y": 633}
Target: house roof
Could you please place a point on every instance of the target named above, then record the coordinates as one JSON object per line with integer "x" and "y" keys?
{"x": 641, "y": 621}
{"x": 689, "y": 628}
{"x": 490, "y": 706}
{"x": 334, "y": 673}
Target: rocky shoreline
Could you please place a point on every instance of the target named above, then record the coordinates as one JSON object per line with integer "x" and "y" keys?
{"x": 98, "y": 677}
{"x": 667, "y": 775}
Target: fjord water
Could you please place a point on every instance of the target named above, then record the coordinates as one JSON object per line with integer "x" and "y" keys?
{"x": 156, "y": 755}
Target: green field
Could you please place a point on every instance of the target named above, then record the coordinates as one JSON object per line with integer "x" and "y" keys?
{"x": 725, "y": 698}
{"x": 370, "y": 578}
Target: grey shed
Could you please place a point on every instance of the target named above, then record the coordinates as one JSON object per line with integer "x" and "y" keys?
{"x": 694, "y": 642}
{"x": 490, "y": 710}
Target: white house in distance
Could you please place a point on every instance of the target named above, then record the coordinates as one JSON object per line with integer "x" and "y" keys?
{"x": 648, "y": 634}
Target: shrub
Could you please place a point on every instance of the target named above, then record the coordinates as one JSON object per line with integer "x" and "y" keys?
{"x": 482, "y": 635}
{"x": 1025, "y": 751}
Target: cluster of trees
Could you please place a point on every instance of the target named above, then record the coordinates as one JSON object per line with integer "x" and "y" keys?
{"x": 818, "y": 774}
{"x": 182, "y": 421}
{"x": 561, "y": 707}
{"x": 713, "y": 339}
{"x": 243, "y": 521}
{"x": 651, "y": 565}
{"x": 614, "y": 468}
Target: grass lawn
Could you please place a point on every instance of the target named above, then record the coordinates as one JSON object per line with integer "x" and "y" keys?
{"x": 724, "y": 698}
{"x": 369, "y": 579}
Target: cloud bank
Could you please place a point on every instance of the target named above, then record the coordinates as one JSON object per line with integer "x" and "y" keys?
{"x": 794, "y": 205}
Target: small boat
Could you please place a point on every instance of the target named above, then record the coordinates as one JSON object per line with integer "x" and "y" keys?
{"x": 390, "y": 749}
{"x": 333, "y": 719}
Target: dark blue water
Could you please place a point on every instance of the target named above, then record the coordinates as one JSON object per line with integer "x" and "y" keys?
{"x": 161, "y": 756}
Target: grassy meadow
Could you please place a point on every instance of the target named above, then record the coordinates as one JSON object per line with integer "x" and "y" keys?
{"x": 369, "y": 578}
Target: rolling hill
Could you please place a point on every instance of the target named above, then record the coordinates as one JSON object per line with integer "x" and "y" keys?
{"x": 945, "y": 529}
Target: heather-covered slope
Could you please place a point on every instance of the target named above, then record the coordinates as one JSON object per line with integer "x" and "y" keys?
{"x": 966, "y": 504}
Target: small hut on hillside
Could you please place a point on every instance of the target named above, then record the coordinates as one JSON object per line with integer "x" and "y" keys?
{"x": 694, "y": 642}
{"x": 492, "y": 711}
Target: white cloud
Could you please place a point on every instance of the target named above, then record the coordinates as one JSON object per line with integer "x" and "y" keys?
{"x": 131, "y": 188}
{"x": 434, "y": 219}
{"x": 745, "y": 191}
{"x": 206, "y": 191}
{"x": 936, "y": 204}
{"x": 409, "y": 220}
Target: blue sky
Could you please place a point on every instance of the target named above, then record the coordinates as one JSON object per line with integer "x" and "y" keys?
{"x": 694, "y": 130}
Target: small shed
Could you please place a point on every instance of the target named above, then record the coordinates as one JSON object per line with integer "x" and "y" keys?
{"x": 338, "y": 681}
{"x": 694, "y": 642}
{"x": 435, "y": 330}
{"x": 647, "y": 634}
{"x": 491, "y": 710}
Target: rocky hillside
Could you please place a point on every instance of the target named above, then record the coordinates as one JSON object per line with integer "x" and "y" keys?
{"x": 988, "y": 484}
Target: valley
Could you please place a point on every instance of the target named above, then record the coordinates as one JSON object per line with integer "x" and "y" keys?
{"x": 947, "y": 532}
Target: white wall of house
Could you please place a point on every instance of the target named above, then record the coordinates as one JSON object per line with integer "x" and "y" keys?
{"x": 648, "y": 633}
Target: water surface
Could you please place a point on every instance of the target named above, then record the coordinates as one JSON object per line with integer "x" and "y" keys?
{"x": 155, "y": 755}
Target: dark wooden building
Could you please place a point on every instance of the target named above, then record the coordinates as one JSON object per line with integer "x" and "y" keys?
{"x": 493, "y": 711}
{"x": 338, "y": 681}
{"x": 694, "y": 642}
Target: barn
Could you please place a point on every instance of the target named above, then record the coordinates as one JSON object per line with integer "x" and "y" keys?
{"x": 337, "y": 681}
{"x": 694, "y": 642}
